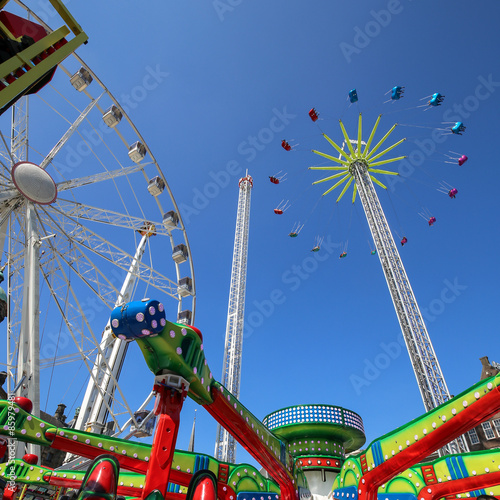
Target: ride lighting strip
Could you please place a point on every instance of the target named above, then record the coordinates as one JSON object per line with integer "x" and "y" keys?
{"x": 313, "y": 413}
{"x": 354, "y": 420}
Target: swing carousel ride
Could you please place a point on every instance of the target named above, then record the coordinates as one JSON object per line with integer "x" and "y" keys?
{"x": 306, "y": 451}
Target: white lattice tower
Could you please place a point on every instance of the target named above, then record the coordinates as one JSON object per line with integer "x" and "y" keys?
{"x": 28, "y": 361}
{"x": 358, "y": 165}
{"x": 225, "y": 446}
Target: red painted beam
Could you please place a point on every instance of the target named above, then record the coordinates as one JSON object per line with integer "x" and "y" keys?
{"x": 64, "y": 482}
{"x": 457, "y": 486}
{"x": 468, "y": 418}
{"x": 224, "y": 491}
{"x": 230, "y": 419}
{"x": 89, "y": 451}
{"x": 169, "y": 405}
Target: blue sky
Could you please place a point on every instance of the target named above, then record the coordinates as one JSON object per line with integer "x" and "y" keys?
{"x": 238, "y": 76}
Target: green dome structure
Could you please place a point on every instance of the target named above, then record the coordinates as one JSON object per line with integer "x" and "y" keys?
{"x": 318, "y": 438}
{"x": 339, "y": 430}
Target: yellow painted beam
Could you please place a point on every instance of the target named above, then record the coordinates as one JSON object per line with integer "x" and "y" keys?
{"x": 388, "y": 149}
{"x": 359, "y": 137}
{"x": 345, "y": 188}
{"x": 26, "y": 55}
{"x": 368, "y": 144}
{"x": 29, "y": 78}
{"x": 326, "y": 168}
{"x": 67, "y": 17}
{"x": 330, "y": 157}
{"x": 381, "y": 141}
{"x": 383, "y": 162}
{"x": 346, "y": 138}
{"x": 377, "y": 171}
{"x": 338, "y": 184}
{"x": 336, "y": 146}
{"x": 377, "y": 182}
{"x": 329, "y": 178}
{"x": 354, "y": 191}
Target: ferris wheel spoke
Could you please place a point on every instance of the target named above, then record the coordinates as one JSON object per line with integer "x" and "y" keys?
{"x": 76, "y": 324}
{"x": 86, "y": 272}
{"x": 104, "y": 176}
{"x": 5, "y": 212}
{"x": 8, "y": 194}
{"x": 94, "y": 214}
{"x": 6, "y": 186}
{"x": 66, "y": 300}
{"x": 99, "y": 286}
{"x": 8, "y": 157}
{"x": 5, "y": 177}
{"x": 101, "y": 247}
{"x": 16, "y": 236}
{"x": 64, "y": 139}
{"x": 61, "y": 250}
{"x": 69, "y": 307}
{"x": 63, "y": 360}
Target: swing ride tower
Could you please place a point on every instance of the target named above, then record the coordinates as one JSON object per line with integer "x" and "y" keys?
{"x": 357, "y": 164}
{"x": 225, "y": 445}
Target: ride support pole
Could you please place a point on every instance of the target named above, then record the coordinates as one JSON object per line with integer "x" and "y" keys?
{"x": 171, "y": 392}
{"x": 9, "y": 493}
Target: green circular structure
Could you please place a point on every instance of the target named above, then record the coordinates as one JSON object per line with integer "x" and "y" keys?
{"x": 318, "y": 438}
{"x": 317, "y": 430}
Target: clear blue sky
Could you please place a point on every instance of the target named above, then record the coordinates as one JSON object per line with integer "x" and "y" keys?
{"x": 237, "y": 77}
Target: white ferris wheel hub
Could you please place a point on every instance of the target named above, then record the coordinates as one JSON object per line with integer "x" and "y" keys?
{"x": 34, "y": 183}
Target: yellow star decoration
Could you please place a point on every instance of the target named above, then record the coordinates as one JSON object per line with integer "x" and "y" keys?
{"x": 359, "y": 156}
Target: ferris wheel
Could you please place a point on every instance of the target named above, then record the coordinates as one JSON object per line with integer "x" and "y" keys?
{"x": 87, "y": 222}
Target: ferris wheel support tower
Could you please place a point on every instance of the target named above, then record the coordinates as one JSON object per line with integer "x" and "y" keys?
{"x": 358, "y": 165}
{"x": 28, "y": 365}
{"x": 225, "y": 446}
